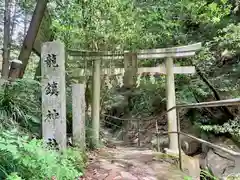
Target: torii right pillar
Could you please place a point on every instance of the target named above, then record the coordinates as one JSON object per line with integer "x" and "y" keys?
{"x": 184, "y": 51}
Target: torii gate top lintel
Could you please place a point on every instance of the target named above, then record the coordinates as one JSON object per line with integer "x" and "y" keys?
{"x": 177, "y": 49}
{"x": 175, "y": 52}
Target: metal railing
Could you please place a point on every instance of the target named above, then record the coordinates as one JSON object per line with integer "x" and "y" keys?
{"x": 229, "y": 102}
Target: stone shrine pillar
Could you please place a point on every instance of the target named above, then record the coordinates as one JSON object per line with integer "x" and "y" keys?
{"x": 53, "y": 93}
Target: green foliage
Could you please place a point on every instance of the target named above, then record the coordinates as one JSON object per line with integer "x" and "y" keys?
{"x": 13, "y": 176}
{"x": 96, "y": 24}
{"x": 116, "y": 24}
{"x": 205, "y": 12}
{"x": 219, "y": 63}
{"x": 120, "y": 25}
{"x": 146, "y": 99}
{"x": 20, "y": 102}
{"x": 232, "y": 127}
{"x": 149, "y": 97}
{"x": 233, "y": 177}
{"x": 206, "y": 174}
{"x": 228, "y": 37}
{"x": 22, "y": 157}
{"x": 187, "y": 178}
{"x": 34, "y": 160}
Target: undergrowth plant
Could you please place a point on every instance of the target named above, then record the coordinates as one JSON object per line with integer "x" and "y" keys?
{"x": 22, "y": 156}
{"x": 32, "y": 159}
{"x": 205, "y": 175}
{"x": 232, "y": 127}
{"x": 20, "y": 102}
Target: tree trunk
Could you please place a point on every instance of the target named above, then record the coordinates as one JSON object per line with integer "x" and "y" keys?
{"x": 13, "y": 21}
{"x": 37, "y": 75}
{"x": 25, "y": 23}
{"x": 6, "y": 43}
{"x": 215, "y": 92}
{"x": 31, "y": 34}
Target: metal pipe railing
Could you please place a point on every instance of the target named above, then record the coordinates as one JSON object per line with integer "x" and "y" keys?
{"x": 228, "y": 102}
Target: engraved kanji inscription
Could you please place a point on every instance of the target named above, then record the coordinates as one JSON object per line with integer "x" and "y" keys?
{"x": 51, "y": 60}
{"x": 52, "y": 115}
{"x": 52, "y": 89}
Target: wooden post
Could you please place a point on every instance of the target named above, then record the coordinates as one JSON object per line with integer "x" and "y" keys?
{"x": 138, "y": 126}
{"x": 134, "y": 69}
{"x": 78, "y": 115}
{"x": 53, "y": 93}
{"x": 127, "y": 86}
{"x": 171, "y": 102}
{"x": 31, "y": 35}
{"x": 14, "y": 69}
{"x": 179, "y": 140}
{"x": 157, "y": 137}
{"x": 96, "y": 102}
{"x": 127, "y": 79}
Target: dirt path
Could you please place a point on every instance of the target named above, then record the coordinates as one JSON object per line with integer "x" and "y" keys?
{"x": 122, "y": 163}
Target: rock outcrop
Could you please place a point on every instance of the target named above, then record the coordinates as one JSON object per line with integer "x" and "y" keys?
{"x": 223, "y": 164}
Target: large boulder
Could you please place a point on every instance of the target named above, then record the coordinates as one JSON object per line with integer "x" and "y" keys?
{"x": 223, "y": 164}
{"x": 188, "y": 145}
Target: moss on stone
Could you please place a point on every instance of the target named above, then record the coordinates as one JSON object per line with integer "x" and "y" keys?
{"x": 173, "y": 159}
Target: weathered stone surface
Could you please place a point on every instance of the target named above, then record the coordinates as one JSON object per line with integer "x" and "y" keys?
{"x": 53, "y": 93}
{"x": 217, "y": 164}
{"x": 112, "y": 175}
{"x": 117, "y": 178}
{"x": 190, "y": 165}
{"x": 189, "y": 146}
{"x": 163, "y": 142}
{"x": 128, "y": 176}
{"x": 149, "y": 178}
{"x": 78, "y": 114}
{"x": 131, "y": 164}
{"x": 221, "y": 163}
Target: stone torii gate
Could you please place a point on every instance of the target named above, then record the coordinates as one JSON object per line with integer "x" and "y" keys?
{"x": 131, "y": 70}
{"x": 169, "y": 54}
